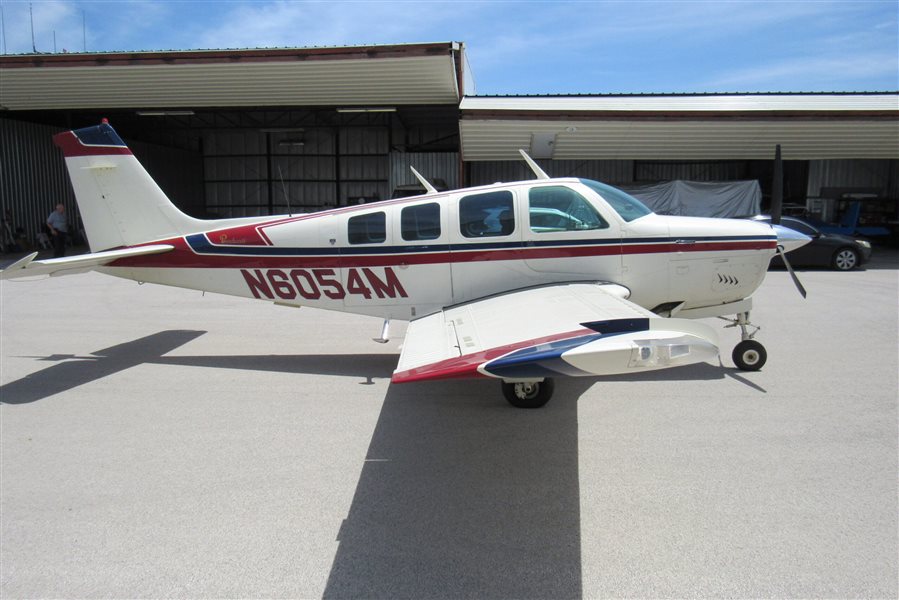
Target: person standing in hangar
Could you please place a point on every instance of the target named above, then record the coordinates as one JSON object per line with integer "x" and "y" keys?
{"x": 59, "y": 229}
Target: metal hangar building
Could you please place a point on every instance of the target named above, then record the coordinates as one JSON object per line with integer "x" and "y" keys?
{"x": 266, "y": 131}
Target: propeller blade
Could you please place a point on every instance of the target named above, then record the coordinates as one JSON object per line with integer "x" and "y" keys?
{"x": 777, "y": 188}
{"x": 783, "y": 256}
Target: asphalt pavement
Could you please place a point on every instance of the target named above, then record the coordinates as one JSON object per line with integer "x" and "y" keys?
{"x": 158, "y": 442}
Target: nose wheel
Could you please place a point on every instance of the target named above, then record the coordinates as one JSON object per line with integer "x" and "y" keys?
{"x": 748, "y": 355}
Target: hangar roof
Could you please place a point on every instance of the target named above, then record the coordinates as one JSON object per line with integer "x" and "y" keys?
{"x": 682, "y": 126}
{"x": 404, "y": 74}
{"x": 420, "y": 77}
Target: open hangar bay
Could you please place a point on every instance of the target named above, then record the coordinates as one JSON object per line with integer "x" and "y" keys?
{"x": 157, "y": 442}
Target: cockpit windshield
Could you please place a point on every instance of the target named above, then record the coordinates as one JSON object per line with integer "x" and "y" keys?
{"x": 627, "y": 207}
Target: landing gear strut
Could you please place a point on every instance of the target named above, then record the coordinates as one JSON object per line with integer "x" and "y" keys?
{"x": 528, "y": 394}
{"x": 748, "y": 355}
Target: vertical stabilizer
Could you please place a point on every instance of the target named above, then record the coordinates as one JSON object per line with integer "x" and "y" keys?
{"x": 119, "y": 202}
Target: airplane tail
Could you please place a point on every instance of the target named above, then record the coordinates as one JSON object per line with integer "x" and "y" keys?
{"x": 119, "y": 202}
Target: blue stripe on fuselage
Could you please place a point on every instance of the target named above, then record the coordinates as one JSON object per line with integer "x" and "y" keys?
{"x": 201, "y": 245}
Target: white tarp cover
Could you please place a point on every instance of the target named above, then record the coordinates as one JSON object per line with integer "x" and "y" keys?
{"x": 700, "y": 198}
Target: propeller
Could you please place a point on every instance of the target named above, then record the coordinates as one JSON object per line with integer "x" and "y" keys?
{"x": 783, "y": 257}
{"x": 777, "y": 201}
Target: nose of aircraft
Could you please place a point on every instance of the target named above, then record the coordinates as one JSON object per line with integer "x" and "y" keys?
{"x": 790, "y": 239}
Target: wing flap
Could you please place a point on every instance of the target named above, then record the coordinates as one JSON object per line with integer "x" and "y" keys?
{"x": 69, "y": 265}
{"x": 564, "y": 329}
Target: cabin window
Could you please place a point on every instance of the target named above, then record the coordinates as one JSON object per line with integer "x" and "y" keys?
{"x": 367, "y": 229}
{"x": 421, "y": 222}
{"x": 559, "y": 208}
{"x": 627, "y": 207}
{"x": 486, "y": 215}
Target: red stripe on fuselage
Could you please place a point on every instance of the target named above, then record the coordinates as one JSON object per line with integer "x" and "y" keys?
{"x": 184, "y": 257}
{"x": 669, "y": 248}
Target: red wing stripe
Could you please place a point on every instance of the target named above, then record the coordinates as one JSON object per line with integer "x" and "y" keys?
{"x": 467, "y": 364}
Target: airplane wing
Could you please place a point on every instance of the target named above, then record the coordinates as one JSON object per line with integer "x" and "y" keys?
{"x": 574, "y": 329}
{"x": 28, "y": 267}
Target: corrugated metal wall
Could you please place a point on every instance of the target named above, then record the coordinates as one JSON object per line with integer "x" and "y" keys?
{"x": 880, "y": 174}
{"x": 364, "y": 164}
{"x": 432, "y": 165}
{"x": 178, "y": 172}
{"x": 610, "y": 171}
{"x": 235, "y": 173}
{"x": 253, "y": 172}
{"x": 625, "y": 172}
{"x": 33, "y": 176}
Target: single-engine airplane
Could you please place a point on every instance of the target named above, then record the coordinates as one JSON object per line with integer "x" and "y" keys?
{"x": 518, "y": 281}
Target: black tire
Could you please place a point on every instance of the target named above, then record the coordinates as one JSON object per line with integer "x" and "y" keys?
{"x": 844, "y": 259}
{"x": 749, "y": 355}
{"x": 528, "y": 395}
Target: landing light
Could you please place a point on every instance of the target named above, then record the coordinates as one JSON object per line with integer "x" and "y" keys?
{"x": 669, "y": 352}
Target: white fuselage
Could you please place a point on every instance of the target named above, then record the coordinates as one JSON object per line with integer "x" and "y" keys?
{"x": 403, "y": 259}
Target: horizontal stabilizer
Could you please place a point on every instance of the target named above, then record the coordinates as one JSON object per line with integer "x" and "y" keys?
{"x": 28, "y": 267}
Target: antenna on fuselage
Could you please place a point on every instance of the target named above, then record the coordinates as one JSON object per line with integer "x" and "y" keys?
{"x": 284, "y": 191}
{"x": 430, "y": 189}
{"x": 540, "y": 173}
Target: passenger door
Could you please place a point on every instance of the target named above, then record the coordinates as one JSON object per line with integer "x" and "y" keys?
{"x": 485, "y": 240}
{"x": 421, "y": 241}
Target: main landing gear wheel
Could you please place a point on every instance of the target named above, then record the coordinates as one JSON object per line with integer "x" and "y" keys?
{"x": 749, "y": 355}
{"x": 528, "y": 394}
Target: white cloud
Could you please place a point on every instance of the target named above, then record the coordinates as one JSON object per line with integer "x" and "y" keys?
{"x": 301, "y": 24}
{"x": 823, "y": 73}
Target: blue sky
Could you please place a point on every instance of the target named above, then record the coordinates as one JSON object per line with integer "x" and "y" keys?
{"x": 522, "y": 47}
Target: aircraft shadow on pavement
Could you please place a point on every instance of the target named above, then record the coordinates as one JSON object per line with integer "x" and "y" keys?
{"x": 72, "y": 371}
{"x": 696, "y": 372}
{"x": 462, "y": 495}
{"x": 364, "y": 366}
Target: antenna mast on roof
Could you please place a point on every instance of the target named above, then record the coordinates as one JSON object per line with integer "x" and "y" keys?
{"x": 31, "y": 12}
{"x": 3, "y": 28}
